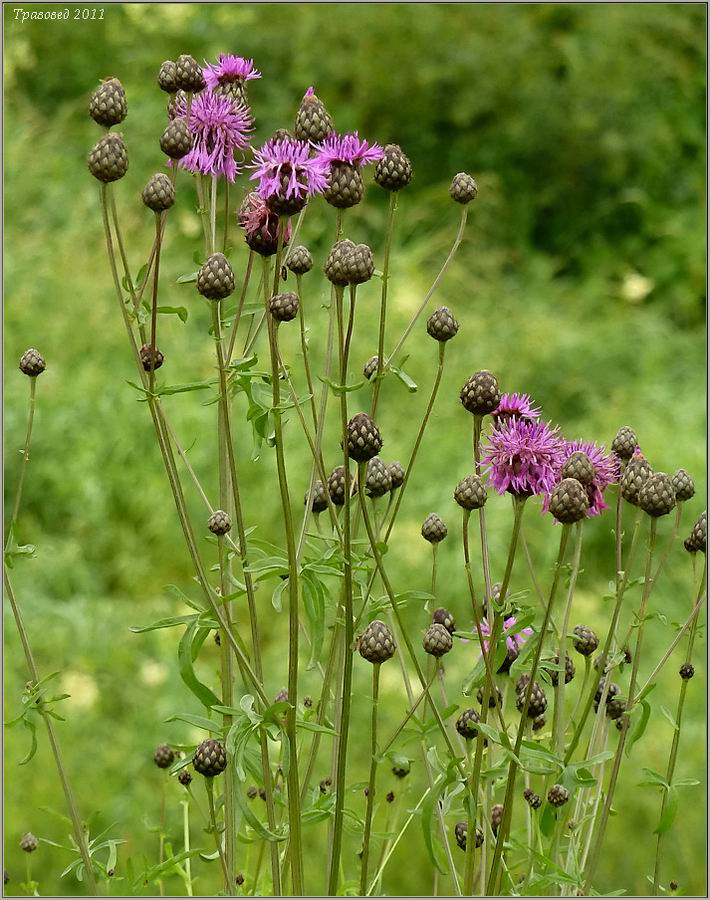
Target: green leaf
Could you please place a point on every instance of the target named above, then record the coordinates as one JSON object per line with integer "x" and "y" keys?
{"x": 170, "y": 622}
{"x": 179, "y": 311}
{"x": 188, "y": 649}
{"x": 276, "y": 595}
{"x": 187, "y": 279}
{"x": 165, "y": 868}
{"x": 406, "y": 380}
{"x": 314, "y": 596}
{"x": 171, "y": 389}
{"x": 31, "y": 727}
{"x": 653, "y": 779}
{"x": 254, "y": 823}
{"x": 670, "y": 808}
{"x": 314, "y": 726}
{"x": 340, "y": 389}
{"x": 667, "y": 714}
{"x": 197, "y": 721}
{"x": 686, "y": 782}
{"x": 547, "y": 820}
{"x": 430, "y": 824}
{"x": 639, "y": 725}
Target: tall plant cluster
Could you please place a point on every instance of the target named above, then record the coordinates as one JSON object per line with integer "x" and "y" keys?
{"x": 521, "y": 762}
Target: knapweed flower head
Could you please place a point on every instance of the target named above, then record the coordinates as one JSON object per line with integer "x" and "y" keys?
{"x": 220, "y": 128}
{"x": 606, "y": 472}
{"x": 348, "y": 149}
{"x": 513, "y": 640}
{"x": 515, "y": 406}
{"x": 229, "y": 69}
{"x": 524, "y": 457}
{"x": 261, "y": 224}
{"x": 285, "y": 169}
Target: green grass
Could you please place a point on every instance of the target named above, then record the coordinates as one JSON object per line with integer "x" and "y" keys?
{"x": 574, "y": 206}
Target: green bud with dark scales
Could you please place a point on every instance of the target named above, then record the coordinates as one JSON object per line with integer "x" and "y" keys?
{"x": 554, "y": 673}
{"x": 284, "y": 307}
{"x": 397, "y": 474}
{"x": 686, "y": 671}
{"x": 284, "y": 204}
{"x": 683, "y": 485}
{"x": 442, "y": 325}
{"x": 370, "y": 367}
{"x": 184, "y": 777}
{"x": 557, "y": 795}
{"x": 496, "y": 817}
{"x": 151, "y": 359}
{"x": 188, "y": 74}
{"x": 363, "y": 437}
{"x": 378, "y": 481}
{"x": 108, "y": 105}
{"x": 358, "y": 264}
{"x": 159, "y": 193}
{"x": 394, "y": 170}
{"x": 313, "y": 121}
{"x": 532, "y": 799}
{"x": 334, "y": 267}
{"x": 624, "y": 443}
{"x": 299, "y": 260}
{"x": 615, "y": 708}
{"x": 319, "y": 502}
{"x": 164, "y": 756}
{"x": 376, "y": 643}
{"x": 167, "y": 77}
{"x": 656, "y": 496}
{"x": 176, "y": 140}
{"x": 585, "y": 640}
{"x": 176, "y": 103}
{"x": 537, "y": 704}
{"x": 612, "y": 691}
{"x": 28, "y": 842}
{"x": 697, "y": 539}
{"x": 215, "y": 280}
{"x": 470, "y": 493}
{"x": 434, "y": 529}
{"x": 401, "y": 768}
{"x": 463, "y": 188}
{"x": 480, "y": 395}
{"x": 569, "y": 501}
{"x": 32, "y": 363}
{"x": 635, "y": 474}
{"x": 495, "y": 698}
{"x": 460, "y": 833}
{"x": 345, "y": 188}
{"x": 108, "y": 160}
{"x": 219, "y": 522}
{"x": 467, "y": 724}
{"x": 538, "y": 723}
{"x": 437, "y": 640}
{"x": 325, "y": 784}
{"x": 443, "y": 617}
{"x": 336, "y": 486}
{"x": 579, "y": 466}
{"x": 210, "y": 758}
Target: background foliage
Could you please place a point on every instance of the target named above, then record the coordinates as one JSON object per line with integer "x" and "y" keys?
{"x": 581, "y": 280}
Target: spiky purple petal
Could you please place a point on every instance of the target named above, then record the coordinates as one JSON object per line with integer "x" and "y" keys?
{"x": 228, "y": 69}
{"x": 524, "y": 457}
{"x": 220, "y": 128}
{"x": 349, "y": 149}
{"x": 305, "y": 175}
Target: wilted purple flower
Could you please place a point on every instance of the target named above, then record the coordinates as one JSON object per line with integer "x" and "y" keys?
{"x": 515, "y": 406}
{"x": 524, "y": 457}
{"x": 514, "y": 642}
{"x": 287, "y": 174}
{"x": 606, "y": 471}
{"x": 220, "y": 128}
{"x": 261, "y": 225}
{"x": 228, "y": 69}
{"x": 348, "y": 149}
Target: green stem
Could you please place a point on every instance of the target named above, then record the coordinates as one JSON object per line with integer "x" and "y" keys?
{"x": 294, "y": 801}
{"x": 389, "y": 231}
{"x": 670, "y": 771}
{"x": 228, "y": 882}
{"x": 77, "y": 827}
{"x": 504, "y": 829}
{"x": 304, "y": 351}
{"x": 185, "y": 803}
{"x": 25, "y": 461}
{"x": 154, "y": 305}
{"x": 601, "y": 826}
{"x": 485, "y": 559}
{"x": 371, "y": 781}
{"x": 558, "y": 729}
{"x": 240, "y": 307}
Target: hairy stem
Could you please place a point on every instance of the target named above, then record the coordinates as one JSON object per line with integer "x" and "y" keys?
{"x": 371, "y": 780}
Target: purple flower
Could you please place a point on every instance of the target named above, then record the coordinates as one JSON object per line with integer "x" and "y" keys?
{"x": 606, "y": 472}
{"x": 515, "y": 406}
{"x": 524, "y": 457}
{"x": 514, "y": 642}
{"x": 228, "y": 69}
{"x": 260, "y": 224}
{"x": 348, "y": 149}
{"x": 220, "y": 128}
{"x": 285, "y": 170}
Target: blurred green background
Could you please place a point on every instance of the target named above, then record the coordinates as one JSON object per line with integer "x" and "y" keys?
{"x": 581, "y": 280}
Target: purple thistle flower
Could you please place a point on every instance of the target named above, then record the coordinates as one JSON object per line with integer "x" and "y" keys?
{"x": 515, "y": 406}
{"x": 286, "y": 171}
{"x": 228, "y": 69}
{"x": 514, "y": 642}
{"x": 606, "y": 471}
{"x": 524, "y": 457}
{"x": 348, "y": 149}
{"x": 260, "y": 224}
{"x": 220, "y": 128}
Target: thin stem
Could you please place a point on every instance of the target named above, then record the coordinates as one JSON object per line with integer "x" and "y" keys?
{"x": 154, "y": 306}
{"x": 240, "y": 307}
{"x": 185, "y": 803}
{"x": 670, "y": 771}
{"x": 304, "y": 350}
{"x": 371, "y": 781}
{"x": 432, "y": 289}
{"x": 77, "y": 827}
{"x": 601, "y": 827}
{"x": 389, "y": 231}
{"x": 225, "y": 241}
{"x": 558, "y": 729}
{"x": 25, "y": 461}
{"x": 161, "y": 845}
{"x": 395, "y": 842}
{"x": 485, "y": 559}
{"x": 228, "y": 883}
{"x": 504, "y": 829}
